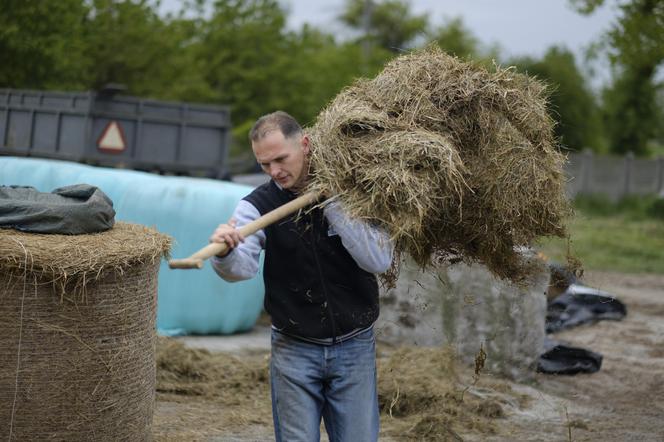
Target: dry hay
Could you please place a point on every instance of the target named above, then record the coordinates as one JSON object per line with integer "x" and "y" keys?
{"x": 197, "y": 372}
{"x": 421, "y": 396}
{"x": 71, "y": 262}
{"x": 455, "y": 161}
{"x": 78, "y": 334}
{"x": 235, "y": 389}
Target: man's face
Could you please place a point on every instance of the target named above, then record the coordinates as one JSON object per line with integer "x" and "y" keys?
{"x": 284, "y": 159}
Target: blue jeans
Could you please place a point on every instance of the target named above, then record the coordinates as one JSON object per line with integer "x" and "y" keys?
{"x": 336, "y": 382}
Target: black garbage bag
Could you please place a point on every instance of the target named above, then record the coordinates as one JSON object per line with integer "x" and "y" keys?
{"x": 579, "y": 305}
{"x": 560, "y": 358}
{"x": 76, "y": 209}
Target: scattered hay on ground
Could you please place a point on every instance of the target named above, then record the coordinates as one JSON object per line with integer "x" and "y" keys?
{"x": 455, "y": 161}
{"x": 419, "y": 389}
{"x": 421, "y": 395}
{"x": 235, "y": 388}
{"x": 197, "y": 372}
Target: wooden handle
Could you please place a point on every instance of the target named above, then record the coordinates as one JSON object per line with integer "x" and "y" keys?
{"x": 195, "y": 261}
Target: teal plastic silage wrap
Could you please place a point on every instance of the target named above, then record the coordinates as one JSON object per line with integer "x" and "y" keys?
{"x": 188, "y": 209}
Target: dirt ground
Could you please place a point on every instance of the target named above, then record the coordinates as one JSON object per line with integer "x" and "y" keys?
{"x": 624, "y": 401}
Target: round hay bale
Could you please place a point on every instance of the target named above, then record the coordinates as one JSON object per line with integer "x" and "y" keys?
{"x": 78, "y": 335}
{"x": 457, "y": 162}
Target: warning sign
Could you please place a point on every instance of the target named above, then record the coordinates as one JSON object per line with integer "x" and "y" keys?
{"x": 112, "y": 139}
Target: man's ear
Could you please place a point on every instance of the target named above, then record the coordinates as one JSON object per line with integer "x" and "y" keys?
{"x": 305, "y": 144}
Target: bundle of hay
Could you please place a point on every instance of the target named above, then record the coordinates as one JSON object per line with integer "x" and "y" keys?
{"x": 455, "y": 161}
{"x": 78, "y": 335}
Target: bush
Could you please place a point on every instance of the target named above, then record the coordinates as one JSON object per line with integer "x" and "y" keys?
{"x": 637, "y": 207}
{"x": 595, "y": 205}
{"x": 656, "y": 209}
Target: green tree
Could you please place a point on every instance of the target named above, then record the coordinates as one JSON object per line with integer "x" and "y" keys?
{"x": 85, "y": 44}
{"x": 324, "y": 68}
{"x": 240, "y": 52}
{"x": 455, "y": 39}
{"x": 635, "y": 46}
{"x": 41, "y": 44}
{"x": 388, "y": 24}
{"x": 254, "y": 64}
{"x": 572, "y": 104}
{"x": 660, "y": 127}
{"x": 128, "y": 42}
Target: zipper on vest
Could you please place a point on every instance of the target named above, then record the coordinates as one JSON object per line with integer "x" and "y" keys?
{"x": 328, "y": 308}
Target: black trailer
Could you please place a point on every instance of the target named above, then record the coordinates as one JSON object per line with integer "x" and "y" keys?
{"x": 107, "y": 129}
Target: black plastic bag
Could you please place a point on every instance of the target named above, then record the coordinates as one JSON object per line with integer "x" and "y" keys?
{"x": 564, "y": 359}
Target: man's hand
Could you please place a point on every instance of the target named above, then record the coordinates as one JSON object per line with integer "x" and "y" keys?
{"x": 227, "y": 233}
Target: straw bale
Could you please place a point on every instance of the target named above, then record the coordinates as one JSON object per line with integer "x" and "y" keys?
{"x": 458, "y": 163}
{"x": 79, "y": 368}
{"x": 71, "y": 262}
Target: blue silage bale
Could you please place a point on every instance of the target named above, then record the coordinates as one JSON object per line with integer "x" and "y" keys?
{"x": 188, "y": 209}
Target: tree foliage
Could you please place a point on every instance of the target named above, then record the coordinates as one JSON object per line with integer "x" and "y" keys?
{"x": 241, "y": 53}
{"x": 573, "y": 105}
{"x": 455, "y": 39}
{"x": 388, "y": 24}
{"x": 41, "y": 45}
{"x": 127, "y": 42}
{"x": 635, "y": 46}
{"x": 242, "y": 45}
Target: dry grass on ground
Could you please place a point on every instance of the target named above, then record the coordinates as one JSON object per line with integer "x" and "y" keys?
{"x": 421, "y": 396}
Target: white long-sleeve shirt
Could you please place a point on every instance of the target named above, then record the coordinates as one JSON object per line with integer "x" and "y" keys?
{"x": 369, "y": 246}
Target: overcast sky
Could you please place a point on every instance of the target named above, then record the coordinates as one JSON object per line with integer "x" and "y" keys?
{"x": 519, "y": 27}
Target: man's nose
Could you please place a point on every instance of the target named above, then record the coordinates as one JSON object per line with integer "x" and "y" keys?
{"x": 274, "y": 170}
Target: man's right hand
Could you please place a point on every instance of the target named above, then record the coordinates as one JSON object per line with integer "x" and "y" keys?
{"x": 227, "y": 233}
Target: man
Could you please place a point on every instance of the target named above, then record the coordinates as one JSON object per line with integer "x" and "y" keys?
{"x": 320, "y": 291}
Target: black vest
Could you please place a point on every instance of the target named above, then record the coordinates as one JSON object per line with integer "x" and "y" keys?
{"x": 313, "y": 286}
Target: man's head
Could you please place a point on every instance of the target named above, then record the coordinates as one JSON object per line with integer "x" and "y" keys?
{"x": 281, "y": 148}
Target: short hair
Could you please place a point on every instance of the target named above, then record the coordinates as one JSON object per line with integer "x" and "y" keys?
{"x": 276, "y": 120}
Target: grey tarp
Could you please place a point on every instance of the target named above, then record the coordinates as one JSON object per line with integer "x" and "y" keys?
{"x": 76, "y": 209}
